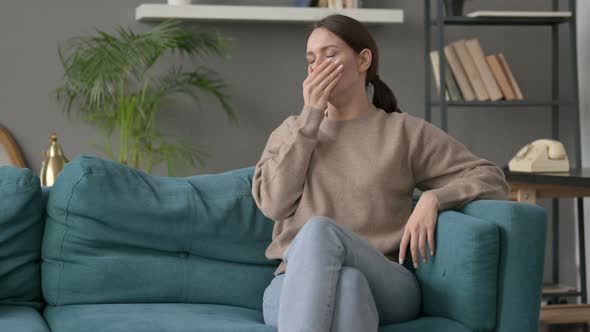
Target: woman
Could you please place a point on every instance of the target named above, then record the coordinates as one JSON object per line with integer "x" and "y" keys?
{"x": 338, "y": 180}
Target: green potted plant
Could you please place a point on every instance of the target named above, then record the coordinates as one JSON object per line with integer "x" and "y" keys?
{"x": 110, "y": 79}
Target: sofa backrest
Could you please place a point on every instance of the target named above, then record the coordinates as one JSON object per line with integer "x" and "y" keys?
{"x": 117, "y": 235}
{"x": 21, "y": 229}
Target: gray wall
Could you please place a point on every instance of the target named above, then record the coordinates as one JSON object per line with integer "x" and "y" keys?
{"x": 265, "y": 75}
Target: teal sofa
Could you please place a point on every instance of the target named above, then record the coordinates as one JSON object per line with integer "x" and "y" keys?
{"x": 109, "y": 248}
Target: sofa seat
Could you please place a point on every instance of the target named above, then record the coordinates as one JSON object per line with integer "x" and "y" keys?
{"x": 182, "y": 317}
{"x": 154, "y": 317}
{"x": 21, "y": 319}
{"x": 434, "y": 324}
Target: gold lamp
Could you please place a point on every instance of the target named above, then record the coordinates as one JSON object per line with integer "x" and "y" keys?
{"x": 54, "y": 162}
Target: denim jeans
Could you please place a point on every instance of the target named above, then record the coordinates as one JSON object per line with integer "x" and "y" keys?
{"x": 337, "y": 281}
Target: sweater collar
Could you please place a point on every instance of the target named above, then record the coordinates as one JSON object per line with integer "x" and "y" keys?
{"x": 365, "y": 115}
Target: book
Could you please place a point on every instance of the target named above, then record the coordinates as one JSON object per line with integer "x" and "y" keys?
{"x": 351, "y": 3}
{"x": 341, "y": 4}
{"x": 476, "y": 52}
{"x": 335, "y": 4}
{"x": 533, "y": 14}
{"x": 459, "y": 74}
{"x": 452, "y": 91}
{"x": 471, "y": 72}
{"x": 434, "y": 60}
{"x": 500, "y": 77}
{"x": 303, "y": 3}
{"x": 510, "y": 76}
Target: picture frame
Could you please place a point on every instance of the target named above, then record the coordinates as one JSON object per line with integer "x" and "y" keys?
{"x": 10, "y": 154}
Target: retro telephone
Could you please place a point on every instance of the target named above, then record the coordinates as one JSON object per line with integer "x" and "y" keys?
{"x": 542, "y": 155}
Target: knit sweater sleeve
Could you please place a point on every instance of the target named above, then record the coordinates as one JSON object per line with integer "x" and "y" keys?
{"x": 445, "y": 167}
{"x": 279, "y": 176}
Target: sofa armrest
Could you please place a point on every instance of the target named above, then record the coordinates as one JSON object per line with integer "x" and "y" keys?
{"x": 460, "y": 281}
{"x": 522, "y": 242}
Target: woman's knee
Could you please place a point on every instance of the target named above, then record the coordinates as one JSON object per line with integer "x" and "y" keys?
{"x": 354, "y": 281}
{"x": 318, "y": 236}
{"x": 318, "y": 225}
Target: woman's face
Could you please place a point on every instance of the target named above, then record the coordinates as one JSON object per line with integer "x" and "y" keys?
{"x": 322, "y": 45}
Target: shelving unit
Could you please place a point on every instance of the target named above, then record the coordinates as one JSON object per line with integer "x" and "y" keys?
{"x": 158, "y": 12}
{"x": 555, "y": 313}
{"x": 528, "y": 21}
{"x": 504, "y": 103}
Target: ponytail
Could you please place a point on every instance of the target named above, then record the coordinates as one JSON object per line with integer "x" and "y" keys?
{"x": 383, "y": 97}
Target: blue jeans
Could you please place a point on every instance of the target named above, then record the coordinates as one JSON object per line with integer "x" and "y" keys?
{"x": 337, "y": 281}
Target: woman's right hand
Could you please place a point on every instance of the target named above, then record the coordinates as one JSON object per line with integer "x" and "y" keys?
{"x": 318, "y": 85}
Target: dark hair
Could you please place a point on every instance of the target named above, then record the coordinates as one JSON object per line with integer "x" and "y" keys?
{"x": 356, "y": 35}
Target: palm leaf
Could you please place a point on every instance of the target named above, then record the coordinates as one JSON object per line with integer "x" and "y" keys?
{"x": 176, "y": 81}
{"x": 110, "y": 73}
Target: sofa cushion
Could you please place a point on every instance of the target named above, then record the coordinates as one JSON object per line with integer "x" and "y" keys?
{"x": 117, "y": 235}
{"x": 460, "y": 281}
{"x": 21, "y": 229}
{"x": 21, "y": 319}
{"x": 181, "y": 317}
{"x": 154, "y": 317}
{"x": 426, "y": 324}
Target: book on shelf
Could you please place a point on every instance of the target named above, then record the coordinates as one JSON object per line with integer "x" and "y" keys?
{"x": 500, "y": 77}
{"x": 303, "y": 3}
{"x": 489, "y": 82}
{"x": 351, "y": 3}
{"x": 336, "y": 4}
{"x": 511, "y": 79}
{"x": 459, "y": 74}
{"x": 471, "y": 70}
{"x": 519, "y": 14}
{"x": 475, "y": 76}
{"x": 434, "y": 60}
{"x": 452, "y": 91}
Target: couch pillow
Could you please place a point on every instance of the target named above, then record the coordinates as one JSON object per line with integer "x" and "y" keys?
{"x": 117, "y": 235}
{"x": 460, "y": 281}
{"x": 21, "y": 228}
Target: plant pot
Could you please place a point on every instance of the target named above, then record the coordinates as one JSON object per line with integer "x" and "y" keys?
{"x": 454, "y": 7}
{"x": 179, "y": 2}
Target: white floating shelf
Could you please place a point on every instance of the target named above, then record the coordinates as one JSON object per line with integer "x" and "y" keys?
{"x": 158, "y": 12}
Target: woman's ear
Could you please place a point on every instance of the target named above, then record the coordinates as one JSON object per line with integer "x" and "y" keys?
{"x": 365, "y": 59}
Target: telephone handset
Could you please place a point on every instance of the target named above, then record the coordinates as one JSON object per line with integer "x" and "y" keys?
{"x": 542, "y": 155}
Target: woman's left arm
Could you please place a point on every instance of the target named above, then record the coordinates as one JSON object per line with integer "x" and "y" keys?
{"x": 450, "y": 176}
{"x": 444, "y": 167}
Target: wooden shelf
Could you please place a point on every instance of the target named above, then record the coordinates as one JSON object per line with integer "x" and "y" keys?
{"x": 565, "y": 313}
{"x": 158, "y": 12}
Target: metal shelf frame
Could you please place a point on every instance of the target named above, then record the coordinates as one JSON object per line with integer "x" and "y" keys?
{"x": 440, "y": 23}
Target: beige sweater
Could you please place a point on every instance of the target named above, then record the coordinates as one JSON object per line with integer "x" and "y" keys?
{"x": 362, "y": 173}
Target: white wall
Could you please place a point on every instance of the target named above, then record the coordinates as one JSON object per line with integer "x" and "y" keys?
{"x": 583, "y": 18}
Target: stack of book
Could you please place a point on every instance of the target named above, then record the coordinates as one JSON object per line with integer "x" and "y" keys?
{"x": 474, "y": 75}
